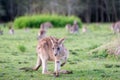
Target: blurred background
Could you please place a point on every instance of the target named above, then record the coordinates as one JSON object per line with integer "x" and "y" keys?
{"x": 87, "y": 10}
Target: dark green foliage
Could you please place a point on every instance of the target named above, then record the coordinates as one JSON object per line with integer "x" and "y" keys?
{"x": 117, "y": 65}
{"x": 100, "y": 54}
{"x": 108, "y": 65}
{"x": 112, "y": 65}
{"x": 92, "y": 47}
{"x": 22, "y": 48}
{"x": 36, "y": 20}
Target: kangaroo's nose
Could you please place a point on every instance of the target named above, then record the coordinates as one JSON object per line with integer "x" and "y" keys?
{"x": 56, "y": 54}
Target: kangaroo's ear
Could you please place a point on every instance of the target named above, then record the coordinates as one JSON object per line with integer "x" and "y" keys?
{"x": 60, "y": 41}
{"x": 51, "y": 39}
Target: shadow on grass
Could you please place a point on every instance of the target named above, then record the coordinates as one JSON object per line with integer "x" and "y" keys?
{"x": 27, "y": 69}
{"x": 90, "y": 73}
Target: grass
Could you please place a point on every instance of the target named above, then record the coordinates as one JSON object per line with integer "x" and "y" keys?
{"x": 84, "y": 66}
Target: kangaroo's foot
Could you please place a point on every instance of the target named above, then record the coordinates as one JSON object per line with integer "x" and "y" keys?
{"x": 66, "y": 72}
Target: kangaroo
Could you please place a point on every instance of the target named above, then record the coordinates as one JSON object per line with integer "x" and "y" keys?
{"x": 68, "y": 27}
{"x": 42, "y": 32}
{"x": 51, "y": 49}
{"x": 1, "y": 32}
{"x": 75, "y": 27}
{"x": 27, "y": 29}
{"x": 11, "y": 30}
{"x": 116, "y": 27}
{"x": 47, "y": 25}
{"x": 84, "y": 29}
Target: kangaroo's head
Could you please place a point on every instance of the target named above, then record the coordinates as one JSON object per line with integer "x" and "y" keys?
{"x": 57, "y": 45}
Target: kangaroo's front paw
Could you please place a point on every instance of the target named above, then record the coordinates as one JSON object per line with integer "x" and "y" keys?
{"x": 35, "y": 69}
{"x": 69, "y": 72}
{"x": 62, "y": 64}
{"x": 47, "y": 72}
{"x": 66, "y": 72}
{"x": 56, "y": 74}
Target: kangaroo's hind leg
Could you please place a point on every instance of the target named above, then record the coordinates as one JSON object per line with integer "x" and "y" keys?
{"x": 38, "y": 63}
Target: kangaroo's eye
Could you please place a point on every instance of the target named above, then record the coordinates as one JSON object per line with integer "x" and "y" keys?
{"x": 53, "y": 48}
{"x": 58, "y": 48}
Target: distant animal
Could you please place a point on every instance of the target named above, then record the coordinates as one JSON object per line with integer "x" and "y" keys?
{"x": 51, "y": 49}
{"x": 42, "y": 32}
{"x": 68, "y": 28}
{"x": 116, "y": 27}
{"x": 11, "y": 30}
{"x": 1, "y": 32}
{"x": 74, "y": 29}
{"x": 47, "y": 25}
{"x": 84, "y": 29}
{"x": 27, "y": 29}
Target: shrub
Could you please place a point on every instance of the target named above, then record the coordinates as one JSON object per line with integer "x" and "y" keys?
{"x": 36, "y": 20}
{"x": 22, "y": 48}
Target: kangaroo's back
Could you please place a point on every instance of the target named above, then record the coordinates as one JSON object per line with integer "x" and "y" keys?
{"x": 44, "y": 47}
{"x": 116, "y": 27}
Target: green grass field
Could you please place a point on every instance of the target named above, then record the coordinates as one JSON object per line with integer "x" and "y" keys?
{"x": 19, "y": 50}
